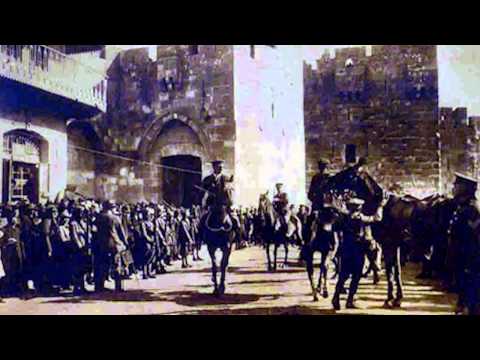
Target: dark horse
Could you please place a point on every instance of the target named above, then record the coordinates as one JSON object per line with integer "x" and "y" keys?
{"x": 274, "y": 231}
{"x": 323, "y": 239}
{"x": 399, "y": 228}
{"x": 218, "y": 232}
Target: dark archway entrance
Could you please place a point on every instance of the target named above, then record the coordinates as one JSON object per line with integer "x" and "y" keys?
{"x": 179, "y": 186}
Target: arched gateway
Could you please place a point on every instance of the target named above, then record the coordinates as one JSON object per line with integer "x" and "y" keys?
{"x": 179, "y": 153}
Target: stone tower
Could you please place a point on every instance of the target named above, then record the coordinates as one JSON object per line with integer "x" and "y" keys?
{"x": 196, "y": 103}
{"x": 383, "y": 106}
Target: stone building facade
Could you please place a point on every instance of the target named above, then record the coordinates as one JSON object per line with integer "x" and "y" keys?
{"x": 460, "y": 145}
{"x": 383, "y": 105}
{"x": 40, "y": 92}
{"x": 168, "y": 118}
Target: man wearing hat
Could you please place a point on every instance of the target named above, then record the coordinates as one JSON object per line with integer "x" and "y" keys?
{"x": 463, "y": 256}
{"x": 216, "y": 186}
{"x": 218, "y": 191}
{"x": 110, "y": 243}
{"x": 317, "y": 186}
{"x": 352, "y": 225}
{"x": 280, "y": 203}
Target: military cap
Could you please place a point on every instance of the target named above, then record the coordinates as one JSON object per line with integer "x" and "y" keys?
{"x": 356, "y": 201}
{"x": 217, "y": 162}
{"x": 279, "y": 184}
{"x": 462, "y": 178}
{"x": 323, "y": 162}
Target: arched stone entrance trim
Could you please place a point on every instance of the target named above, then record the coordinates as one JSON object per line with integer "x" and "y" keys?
{"x": 154, "y": 130}
{"x": 89, "y": 130}
{"x": 42, "y": 141}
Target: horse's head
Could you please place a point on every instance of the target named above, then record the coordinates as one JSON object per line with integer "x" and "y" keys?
{"x": 351, "y": 183}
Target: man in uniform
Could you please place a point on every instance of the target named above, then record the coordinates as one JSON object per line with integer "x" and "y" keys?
{"x": 354, "y": 245}
{"x": 284, "y": 212}
{"x": 110, "y": 244}
{"x": 218, "y": 195}
{"x": 317, "y": 186}
{"x": 464, "y": 245}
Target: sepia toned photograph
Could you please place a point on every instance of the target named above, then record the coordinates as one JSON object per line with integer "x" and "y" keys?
{"x": 240, "y": 180}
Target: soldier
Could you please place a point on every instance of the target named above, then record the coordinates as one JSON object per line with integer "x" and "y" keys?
{"x": 280, "y": 204}
{"x": 218, "y": 194}
{"x": 318, "y": 185}
{"x": 216, "y": 187}
{"x": 354, "y": 245}
{"x": 464, "y": 245}
{"x": 110, "y": 243}
{"x": 285, "y": 212}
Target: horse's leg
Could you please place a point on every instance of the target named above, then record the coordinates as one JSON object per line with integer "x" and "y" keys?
{"x": 285, "y": 263}
{"x": 324, "y": 275}
{"x": 308, "y": 257}
{"x": 269, "y": 260}
{"x": 275, "y": 248}
{"x": 398, "y": 280}
{"x": 389, "y": 269}
{"x": 211, "y": 251}
{"x": 224, "y": 267}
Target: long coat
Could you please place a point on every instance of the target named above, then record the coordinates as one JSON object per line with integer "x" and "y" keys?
{"x": 110, "y": 234}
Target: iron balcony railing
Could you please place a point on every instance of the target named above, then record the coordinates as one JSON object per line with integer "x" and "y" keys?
{"x": 50, "y": 70}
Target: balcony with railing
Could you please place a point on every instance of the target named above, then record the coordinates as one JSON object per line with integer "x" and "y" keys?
{"x": 54, "y": 72}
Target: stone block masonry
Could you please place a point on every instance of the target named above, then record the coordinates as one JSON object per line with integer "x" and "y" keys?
{"x": 385, "y": 105}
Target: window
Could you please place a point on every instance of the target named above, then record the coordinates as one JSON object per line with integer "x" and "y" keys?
{"x": 350, "y": 154}
{"x": 193, "y": 50}
{"x": 252, "y": 51}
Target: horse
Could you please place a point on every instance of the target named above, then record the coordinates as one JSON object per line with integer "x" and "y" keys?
{"x": 266, "y": 225}
{"x": 397, "y": 227}
{"x": 323, "y": 239}
{"x": 275, "y": 230}
{"x": 219, "y": 230}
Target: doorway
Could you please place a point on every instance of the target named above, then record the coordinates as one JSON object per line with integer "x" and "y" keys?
{"x": 20, "y": 181}
{"x": 178, "y": 187}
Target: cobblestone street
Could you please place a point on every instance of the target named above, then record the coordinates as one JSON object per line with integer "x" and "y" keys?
{"x": 250, "y": 291}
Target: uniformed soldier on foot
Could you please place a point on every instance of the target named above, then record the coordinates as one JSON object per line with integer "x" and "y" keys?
{"x": 464, "y": 245}
{"x": 316, "y": 193}
{"x": 354, "y": 246}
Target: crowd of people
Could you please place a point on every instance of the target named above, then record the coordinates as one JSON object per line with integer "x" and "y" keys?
{"x": 63, "y": 247}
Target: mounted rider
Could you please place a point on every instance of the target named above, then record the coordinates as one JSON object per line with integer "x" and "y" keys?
{"x": 284, "y": 212}
{"x": 463, "y": 259}
{"x": 218, "y": 195}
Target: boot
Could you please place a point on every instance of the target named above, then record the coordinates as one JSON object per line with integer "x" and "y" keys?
{"x": 336, "y": 303}
{"x": 351, "y": 304}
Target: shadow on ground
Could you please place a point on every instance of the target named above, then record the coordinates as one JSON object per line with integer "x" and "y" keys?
{"x": 194, "y": 298}
{"x": 127, "y": 296}
{"x": 285, "y": 311}
{"x": 249, "y": 282}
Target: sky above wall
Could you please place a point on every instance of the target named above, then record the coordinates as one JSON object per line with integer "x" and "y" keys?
{"x": 459, "y": 72}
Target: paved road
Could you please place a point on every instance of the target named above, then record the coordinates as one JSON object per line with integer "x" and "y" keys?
{"x": 250, "y": 290}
